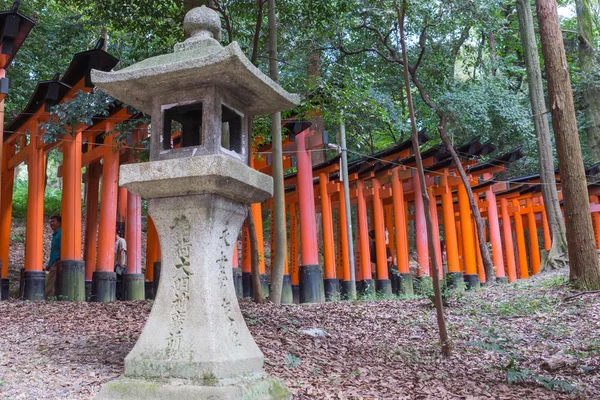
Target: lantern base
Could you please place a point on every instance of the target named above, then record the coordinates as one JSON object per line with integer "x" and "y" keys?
{"x": 247, "y": 389}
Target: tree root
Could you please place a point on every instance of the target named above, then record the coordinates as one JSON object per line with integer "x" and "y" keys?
{"x": 556, "y": 258}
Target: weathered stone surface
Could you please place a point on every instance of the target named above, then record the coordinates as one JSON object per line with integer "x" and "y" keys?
{"x": 260, "y": 388}
{"x": 196, "y": 328}
{"x": 204, "y": 63}
{"x": 195, "y": 343}
{"x": 197, "y": 175}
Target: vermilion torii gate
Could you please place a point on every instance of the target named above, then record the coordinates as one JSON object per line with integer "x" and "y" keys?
{"x": 14, "y": 28}
{"x": 382, "y": 194}
{"x": 382, "y": 191}
{"x": 96, "y": 148}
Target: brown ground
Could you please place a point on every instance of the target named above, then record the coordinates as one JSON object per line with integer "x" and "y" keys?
{"x": 373, "y": 349}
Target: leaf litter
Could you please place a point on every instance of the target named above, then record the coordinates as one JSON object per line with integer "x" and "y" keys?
{"x": 502, "y": 337}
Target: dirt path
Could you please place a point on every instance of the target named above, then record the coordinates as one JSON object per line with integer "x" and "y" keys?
{"x": 372, "y": 350}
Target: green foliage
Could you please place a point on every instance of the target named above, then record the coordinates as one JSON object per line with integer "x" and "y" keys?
{"x": 66, "y": 116}
{"x": 292, "y": 361}
{"x": 515, "y": 375}
{"x": 52, "y": 199}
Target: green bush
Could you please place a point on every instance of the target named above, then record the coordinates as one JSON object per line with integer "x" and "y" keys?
{"x": 52, "y": 199}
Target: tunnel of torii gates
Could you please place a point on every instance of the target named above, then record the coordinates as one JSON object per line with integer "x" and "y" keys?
{"x": 382, "y": 190}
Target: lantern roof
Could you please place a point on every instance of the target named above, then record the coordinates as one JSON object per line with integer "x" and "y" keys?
{"x": 199, "y": 61}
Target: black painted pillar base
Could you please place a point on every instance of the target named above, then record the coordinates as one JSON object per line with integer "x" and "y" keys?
{"x": 149, "y": 290}
{"x": 311, "y": 284}
{"x": 247, "y": 284}
{"x": 346, "y": 289}
{"x": 34, "y": 285}
{"x": 368, "y": 287}
{"x": 406, "y": 284}
{"x": 88, "y": 290}
{"x": 296, "y": 294}
{"x": 237, "y": 282}
{"x": 472, "y": 281}
{"x": 454, "y": 279}
{"x": 4, "y": 289}
{"x": 287, "y": 296}
{"x": 264, "y": 285}
{"x": 359, "y": 286}
{"x": 384, "y": 287}
{"x": 70, "y": 280}
{"x": 157, "y": 267}
{"x": 332, "y": 289}
{"x": 104, "y": 285}
{"x": 502, "y": 280}
{"x": 395, "y": 280}
{"x": 134, "y": 287}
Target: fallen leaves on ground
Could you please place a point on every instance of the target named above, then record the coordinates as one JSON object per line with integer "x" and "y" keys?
{"x": 360, "y": 350}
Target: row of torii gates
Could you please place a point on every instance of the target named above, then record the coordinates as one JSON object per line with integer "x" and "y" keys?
{"x": 382, "y": 192}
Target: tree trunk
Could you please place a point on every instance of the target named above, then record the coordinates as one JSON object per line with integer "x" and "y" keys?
{"x": 544, "y": 142}
{"x": 493, "y": 58}
{"x": 490, "y": 275}
{"x": 587, "y": 61}
{"x": 277, "y": 162}
{"x": 583, "y": 259}
{"x": 313, "y": 72}
{"x": 439, "y": 306}
{"x": 480, "y": 224}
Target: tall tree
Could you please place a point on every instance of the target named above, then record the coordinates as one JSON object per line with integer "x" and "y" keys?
{"x": 542, "y": 130}
{"x": 439, "y": 305}
{"x": 278, "y": 191}
{"x": 583, "y": 258}
{"x": 587, "y": 63}
{"x": 386, "y": 50}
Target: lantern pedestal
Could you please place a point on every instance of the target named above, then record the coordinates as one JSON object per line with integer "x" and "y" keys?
{"x": 196, "y": 342}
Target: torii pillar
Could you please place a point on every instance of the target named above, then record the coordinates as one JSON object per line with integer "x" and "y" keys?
{"x": 311, "y": 278}
{"x": 104, "y": 279}
{"x": 70, "y": 276}
{"x": 495, "y": 237}
{"x": 35, "y": 277}
{"x": 401, "y": 224}
{"x": 454, "y": 272}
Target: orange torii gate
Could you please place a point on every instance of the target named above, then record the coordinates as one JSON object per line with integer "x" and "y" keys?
{"x": 385, "y": 182}
{"x": 14, "y": 28}
{"x": 93, "y": 275}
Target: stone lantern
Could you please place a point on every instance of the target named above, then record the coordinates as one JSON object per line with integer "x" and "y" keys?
{"x": 195, "y": 343}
